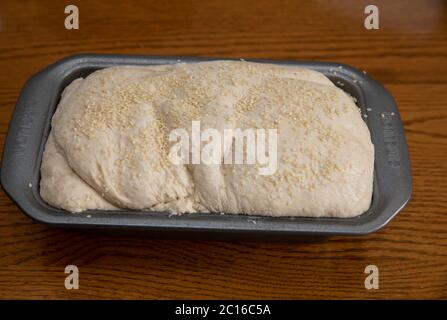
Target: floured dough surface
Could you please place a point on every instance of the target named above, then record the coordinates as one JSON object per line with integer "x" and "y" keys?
{"x": 109, "y": 145}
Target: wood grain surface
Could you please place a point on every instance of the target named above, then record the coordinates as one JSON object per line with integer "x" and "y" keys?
{"x": 408, "y": 54}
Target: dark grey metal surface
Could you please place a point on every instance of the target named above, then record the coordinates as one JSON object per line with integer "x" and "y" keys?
{"x": 30, "y": 125}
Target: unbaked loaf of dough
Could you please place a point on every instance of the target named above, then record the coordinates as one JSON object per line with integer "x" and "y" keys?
{"x": 109, "y": 146}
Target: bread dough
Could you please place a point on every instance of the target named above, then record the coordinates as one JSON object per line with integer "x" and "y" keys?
{"x": 108, "y": 146}
{"x": 61, "y": 187}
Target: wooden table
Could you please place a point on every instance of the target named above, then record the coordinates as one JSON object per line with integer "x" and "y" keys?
{"x": 408, "y": 54}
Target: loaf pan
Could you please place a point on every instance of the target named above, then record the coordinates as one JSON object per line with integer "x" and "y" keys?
{"x": 30, "y": 126}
